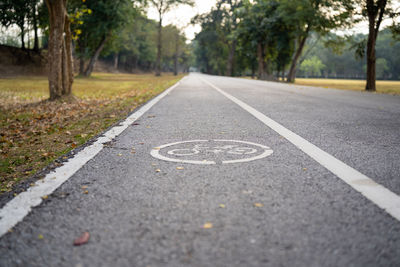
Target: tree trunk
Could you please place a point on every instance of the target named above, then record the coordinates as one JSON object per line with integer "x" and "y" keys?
{"x": 68, "y": 65}
{"x": 371, "y": 60}
{"x": 55, "y": 49}
{"x": 260, "y": 57}
{"x": 293, "y": 67}
{"x": 253, "y": 71}
{"x": 176, "y": 56}
{"x": 231, "y": 59}
{"x": 22, "y": 37}
{"x": 93, "y": 59}
{"x": 35, "y": 28}
{"x": 81, "y": 57}
{"x": 116, "y": 55}
{"x": 375, "y": 14}
{"x": 159, "y": 40}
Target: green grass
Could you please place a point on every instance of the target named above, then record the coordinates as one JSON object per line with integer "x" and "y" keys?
{"x": 34, "y": 132}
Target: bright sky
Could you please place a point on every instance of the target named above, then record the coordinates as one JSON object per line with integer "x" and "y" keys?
{"x": 182, "y": 15}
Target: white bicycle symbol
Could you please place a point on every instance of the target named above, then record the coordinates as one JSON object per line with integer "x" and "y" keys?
{"x": 229, "y": 149}
{"x": 198, "y": 151}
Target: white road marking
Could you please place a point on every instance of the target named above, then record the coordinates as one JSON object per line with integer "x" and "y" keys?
{"x": 155, "y": 152}
{"x": 378, "y": 194}
{"x": 20, "y": 206}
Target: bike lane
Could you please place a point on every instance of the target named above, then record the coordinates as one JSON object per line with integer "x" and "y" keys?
{"x": 145, "y": 211}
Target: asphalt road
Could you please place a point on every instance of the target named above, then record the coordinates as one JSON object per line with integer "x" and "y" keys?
{"x": 238, "y": 205}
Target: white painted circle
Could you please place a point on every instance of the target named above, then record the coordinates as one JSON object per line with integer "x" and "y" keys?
{"x": 208, "y": 152}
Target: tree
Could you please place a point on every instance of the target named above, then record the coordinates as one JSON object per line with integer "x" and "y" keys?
{"x": 261, "y": 25}
{"x": 230, "y": 23}
{"x": 15, "y": 12}
{"x": 375, "y": 11}
{"x": 320, "y": 16}
{"x": 104, "y": 21}
{"x": 312, "y": 66}
{"x": 60, "y": 50}
{"x": 210, "y": 46}
{"x": 163, "y": 6}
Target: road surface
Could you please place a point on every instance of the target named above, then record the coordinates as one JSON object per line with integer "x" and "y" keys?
{"x": 229, "y": 172}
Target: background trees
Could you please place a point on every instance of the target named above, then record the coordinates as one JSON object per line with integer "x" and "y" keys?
{"x": 76, "y": 33}
{"x": 163, "y": 6}
{"x": 277, "y": 36}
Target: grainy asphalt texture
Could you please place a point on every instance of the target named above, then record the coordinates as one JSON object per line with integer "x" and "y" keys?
{"x": 142, "y": 211}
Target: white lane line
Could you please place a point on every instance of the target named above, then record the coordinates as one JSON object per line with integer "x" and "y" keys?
{"x": 17, "y": 208}
{"x": 378, "y": 194}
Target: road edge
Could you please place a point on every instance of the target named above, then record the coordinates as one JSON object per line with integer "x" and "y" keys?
{"x": 15, "y": 210}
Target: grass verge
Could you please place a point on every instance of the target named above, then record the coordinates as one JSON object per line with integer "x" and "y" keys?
{"x": 34, "y": 131}
{"x": 386, "y": 87}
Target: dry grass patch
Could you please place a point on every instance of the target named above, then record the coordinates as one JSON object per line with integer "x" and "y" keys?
{"x": 34, "y": 131}
{"x": 387, "y": 87}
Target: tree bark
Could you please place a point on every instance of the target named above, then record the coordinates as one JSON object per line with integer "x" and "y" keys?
{"x": 68, "y": 65}
{"x": 159, "y": 47}
{"x": 93, "y": 59}
{"x": 116, "y": 56}
{"x": 35, "y": 29}
{"x": 22, "y": 37}
{"x": 59, "y": 50}
{"x": 57, "y": 20}
{"x": 231, "y": 58}
{"x": 371, "y": 61}
{"x": 293, "y": 67}
{"x": 261, "y": 61}
{"x": 375, "y": 16}
{"x": 263, "y": 67}
{"x": 81, "y": 57}
{"x": 176, "y": 56}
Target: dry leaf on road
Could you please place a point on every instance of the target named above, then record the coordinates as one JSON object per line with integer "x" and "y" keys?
{"x": 208, "y": 225}
{"x": 83, "y": 239}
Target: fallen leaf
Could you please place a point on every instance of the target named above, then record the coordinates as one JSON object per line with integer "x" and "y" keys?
{"x": 258, "y": 205}
{"x": 148, "y": 127}
{"x": 208, "y": 225}
{"x": 180, "y": 168}
{"x": 158, "y": 170}
{"x": 83, "y": 239}
{"x": 73, "y": 145}
{"x": 40, "y": 236}
{"x": 153, "y": 164}
{"x": 45, "y": 197}
{"x": 119, "y": 155}
{"x": 68, "y": 132}
{"x": 222, "y": 206}
{"x": 83, "y": 135}
{"x": 84, "y": 186}
{"x": 86, "y": 192}
{"x": 156, "y": 148}
{"x": 304, "y": 169}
